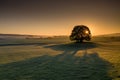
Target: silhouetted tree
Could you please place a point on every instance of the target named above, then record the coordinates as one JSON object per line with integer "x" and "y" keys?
{"x": 80, "y": 33}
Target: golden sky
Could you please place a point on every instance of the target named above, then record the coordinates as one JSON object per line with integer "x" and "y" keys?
{"x": 58, "y": 17}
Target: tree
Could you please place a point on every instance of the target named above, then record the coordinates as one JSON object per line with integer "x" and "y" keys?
{"x": 80, "y": 33}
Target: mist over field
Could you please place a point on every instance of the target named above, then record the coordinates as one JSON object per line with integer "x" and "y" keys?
{"x": 30, "y": 57}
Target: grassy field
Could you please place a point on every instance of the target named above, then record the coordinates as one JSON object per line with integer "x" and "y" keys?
{"x": 60, "y": 59}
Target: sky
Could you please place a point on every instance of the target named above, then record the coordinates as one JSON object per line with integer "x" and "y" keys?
{"x": 58, "y": 17}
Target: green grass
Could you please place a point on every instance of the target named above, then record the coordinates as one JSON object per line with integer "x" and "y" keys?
{"x": 60, "y": 59}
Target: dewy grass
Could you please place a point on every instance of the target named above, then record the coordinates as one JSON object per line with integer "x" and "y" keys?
{"x": 60, "y": 59}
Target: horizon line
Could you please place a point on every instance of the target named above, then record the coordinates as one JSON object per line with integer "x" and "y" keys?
{"x": 47, "y": 35}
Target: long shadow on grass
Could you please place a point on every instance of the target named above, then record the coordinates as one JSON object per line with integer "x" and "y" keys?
{"x": 65, "y": 66}
{"x": 72, "y": 47}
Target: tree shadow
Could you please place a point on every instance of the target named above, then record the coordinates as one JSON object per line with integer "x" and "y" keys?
{"x": 63, "y": 66}
{"x": 72, "y": 48}
{"x": 73, "y": 45}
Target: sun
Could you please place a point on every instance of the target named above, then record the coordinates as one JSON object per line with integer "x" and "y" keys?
{"x": 86, "y": 32}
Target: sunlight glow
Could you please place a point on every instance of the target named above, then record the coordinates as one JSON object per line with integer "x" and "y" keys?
{"x": 86, "y": 32}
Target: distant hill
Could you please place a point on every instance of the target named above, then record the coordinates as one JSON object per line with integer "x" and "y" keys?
{"x": 109, "y": 35}
{"x": 11, "y": 36}
{"x": 115, "y": 37}
{"x": 4, "y": 36}
{"x": 21, "y": 36}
